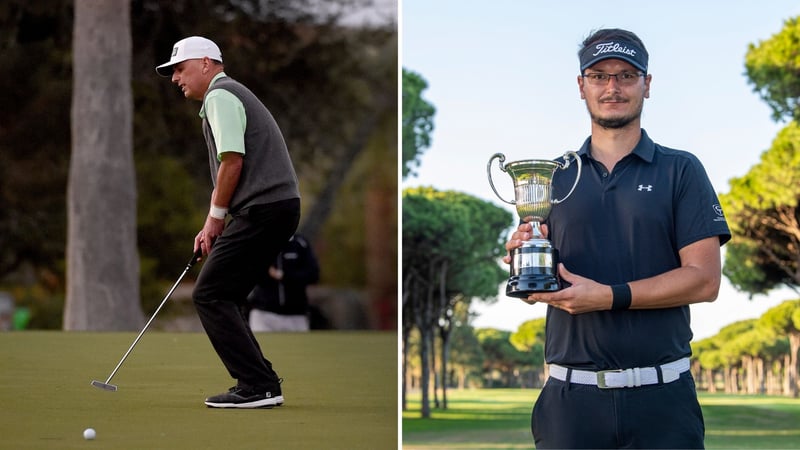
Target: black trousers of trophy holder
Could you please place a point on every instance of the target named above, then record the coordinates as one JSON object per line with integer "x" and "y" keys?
{"x": 570, "y": 415}
{"x": 251, "y": 240}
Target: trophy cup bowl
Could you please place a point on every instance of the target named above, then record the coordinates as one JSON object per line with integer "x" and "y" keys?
{"x": 534, "y": 265}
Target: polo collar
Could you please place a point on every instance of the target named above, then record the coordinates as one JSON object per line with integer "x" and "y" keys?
{"x": 645, "y": 148}
{"x": 202, "y": 112}
{"x": 216, "y": 77}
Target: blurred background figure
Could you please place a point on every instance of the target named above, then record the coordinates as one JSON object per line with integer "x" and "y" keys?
{"x": 12, "y": 317}
{"x": 6, "y": 312}
{"x": 279, "y": 302}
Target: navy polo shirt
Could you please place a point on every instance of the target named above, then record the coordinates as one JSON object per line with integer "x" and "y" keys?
{"x": 623, "y": 226}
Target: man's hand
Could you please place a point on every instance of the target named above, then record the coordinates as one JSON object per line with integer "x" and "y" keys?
{"x": 524, "y": 232}
{"x": 584, "y": 295}
{"x": 275, "y": 273}
{"x": 211, "y": 231}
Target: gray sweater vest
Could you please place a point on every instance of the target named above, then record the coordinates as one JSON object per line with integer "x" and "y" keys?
{"x": 267, "y": 172}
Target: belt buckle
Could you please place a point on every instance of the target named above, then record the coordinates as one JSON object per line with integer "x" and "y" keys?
{"x": 601, "y": 378}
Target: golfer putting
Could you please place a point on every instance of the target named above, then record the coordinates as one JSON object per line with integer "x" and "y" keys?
{"x": 253, "y": 211}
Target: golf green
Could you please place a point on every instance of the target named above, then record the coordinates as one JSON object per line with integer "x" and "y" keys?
{"x": 340, "y": 390}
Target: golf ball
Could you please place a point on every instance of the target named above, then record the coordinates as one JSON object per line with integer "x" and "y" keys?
{"x": 89, "y": 434}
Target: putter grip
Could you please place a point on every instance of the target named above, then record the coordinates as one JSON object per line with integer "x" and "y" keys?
{"x": 197, "y": 254}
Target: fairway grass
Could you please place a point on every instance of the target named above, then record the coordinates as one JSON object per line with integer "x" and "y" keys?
{"x": 340, "y": 390}
{"x": 739, "y": 421}
{"x": 500, "y": 419}
{"x": 474, "y": 419}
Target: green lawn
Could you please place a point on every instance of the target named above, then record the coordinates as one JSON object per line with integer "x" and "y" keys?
{"x": 735, "y": 421}
{"x": 475, "y": 419}
{"x": 500, "y": 419}
{"x": 340, "y": 390}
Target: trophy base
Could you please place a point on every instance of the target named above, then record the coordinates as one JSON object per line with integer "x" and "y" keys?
{"x": 533, "y": 269}
{"x": 523, "y": 286}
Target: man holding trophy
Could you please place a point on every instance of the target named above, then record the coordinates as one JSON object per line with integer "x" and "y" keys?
{"x": 636, "y": 242}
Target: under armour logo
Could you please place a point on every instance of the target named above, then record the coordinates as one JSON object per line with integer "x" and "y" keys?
{"x": 648, "y": 188}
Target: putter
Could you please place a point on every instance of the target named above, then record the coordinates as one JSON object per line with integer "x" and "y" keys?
{"x": 110, "y": 387}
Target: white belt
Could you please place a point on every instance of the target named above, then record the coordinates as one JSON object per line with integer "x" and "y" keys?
{"x": 608, "y": 379}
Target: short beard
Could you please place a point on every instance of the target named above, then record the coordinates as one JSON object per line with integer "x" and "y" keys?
{"x": 614, "y": 123}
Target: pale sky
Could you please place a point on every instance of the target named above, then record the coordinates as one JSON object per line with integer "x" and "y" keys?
{"x": 502, "y": 76}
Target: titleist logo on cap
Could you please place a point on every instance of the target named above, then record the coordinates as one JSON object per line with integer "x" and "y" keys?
{"x": 616, "y": 49}
{"x": 613, "y": 47}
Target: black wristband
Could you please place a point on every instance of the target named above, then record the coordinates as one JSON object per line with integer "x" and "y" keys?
{"x": 621, "y": 296}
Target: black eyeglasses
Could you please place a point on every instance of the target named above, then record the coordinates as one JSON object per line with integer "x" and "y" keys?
{"x": 623, "y": 78}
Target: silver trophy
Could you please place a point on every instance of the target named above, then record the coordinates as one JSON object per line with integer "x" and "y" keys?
{"x": 534, "y": 265}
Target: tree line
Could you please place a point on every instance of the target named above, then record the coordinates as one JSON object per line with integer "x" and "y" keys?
{"x": 755, "y": 356}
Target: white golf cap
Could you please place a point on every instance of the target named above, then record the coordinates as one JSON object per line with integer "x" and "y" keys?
{"x": 194, "y": 47}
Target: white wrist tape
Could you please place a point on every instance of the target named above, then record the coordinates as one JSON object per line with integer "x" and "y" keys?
{"x": 217, "y": 212}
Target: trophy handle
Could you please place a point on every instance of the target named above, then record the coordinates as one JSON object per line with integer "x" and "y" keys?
{"x": 577, "y": 177}
{"x": 502, "y": 159}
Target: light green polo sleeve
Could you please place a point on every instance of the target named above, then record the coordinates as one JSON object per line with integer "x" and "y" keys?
{"x": 226, "y": 116}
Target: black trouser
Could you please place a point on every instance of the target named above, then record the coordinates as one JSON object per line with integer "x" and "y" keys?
{"x": 570, "y": 415}
{"x": 243, "y": 253}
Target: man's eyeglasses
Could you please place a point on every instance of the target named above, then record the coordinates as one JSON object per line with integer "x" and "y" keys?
{"x": 623, "y": 78}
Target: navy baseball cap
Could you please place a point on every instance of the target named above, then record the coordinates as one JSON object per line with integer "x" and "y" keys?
{"x": 616, "y": 49}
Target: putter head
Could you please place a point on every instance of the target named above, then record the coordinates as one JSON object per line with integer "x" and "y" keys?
{"x": 101, "y": 385}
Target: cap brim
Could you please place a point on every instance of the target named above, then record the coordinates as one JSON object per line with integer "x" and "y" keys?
{"x": 165, "y": 69}
{"x": 628, "y": 60}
